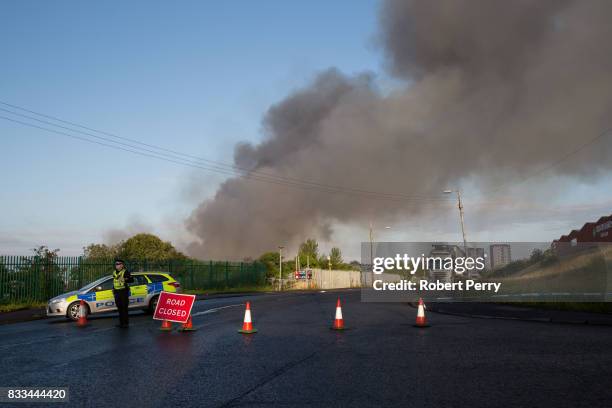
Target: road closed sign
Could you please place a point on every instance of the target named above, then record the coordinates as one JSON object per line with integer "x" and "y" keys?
{"x": 174, "y": 307}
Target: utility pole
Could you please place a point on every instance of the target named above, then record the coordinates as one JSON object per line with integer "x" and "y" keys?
{"x": 371, "y": 246}
{"x": 460, "y": 206}
{"x": 308, "y": 269}
{"x": 329, "y": 262}
{"x": 280, "y": 268}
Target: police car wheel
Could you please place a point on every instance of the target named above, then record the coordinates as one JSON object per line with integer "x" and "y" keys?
{"x": 72, "y": 312}
{"x": 153, "y": 304}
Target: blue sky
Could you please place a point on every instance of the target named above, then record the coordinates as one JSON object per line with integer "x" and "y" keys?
{"x": 194, "y": 77}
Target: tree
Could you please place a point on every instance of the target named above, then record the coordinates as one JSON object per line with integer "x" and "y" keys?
{"x": 148, "y": 246}
{"x": 323, "y": 262}
{"x": 5, "y": 282}
{"x": 336, "y": 258}
{"x": 100, "y": 251}
{"x": 44, "y": 252}
{"x": 50, "y": 278}
{"x": 141, "y": 252}
{"x": 309, "y": 253}
{"x": 271, "y": 261}
{"x": 140, "y": 246}
{"x": 549, "y": 257}
{"x": 536, "y": 255}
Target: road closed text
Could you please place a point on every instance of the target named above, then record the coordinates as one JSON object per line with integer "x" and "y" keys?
{"x": 425, "y": 285}
{"x": 174, "y": 307}
{"x": 172, "y": 312}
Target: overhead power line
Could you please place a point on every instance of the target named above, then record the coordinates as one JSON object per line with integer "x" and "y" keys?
{"x": 134, "y": 146}
{"x": 555, "y": 163}
{"x": 222, "y": 165}
{"x": 175, "y": 157}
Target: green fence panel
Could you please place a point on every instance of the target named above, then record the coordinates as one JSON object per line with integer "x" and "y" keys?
{"x": 26, "y": 279}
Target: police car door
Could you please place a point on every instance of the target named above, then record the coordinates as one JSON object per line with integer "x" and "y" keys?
{"x": 138, "y": 291}
{"x": 105, "y": 301}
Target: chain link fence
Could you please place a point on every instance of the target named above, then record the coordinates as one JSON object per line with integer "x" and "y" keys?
{"x": 37, "y": 279}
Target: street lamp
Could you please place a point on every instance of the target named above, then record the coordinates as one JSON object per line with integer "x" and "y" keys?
{"x": 371, "y": 246}
{"x": 372, "y": 243}
{"x": 460, "y": 206}
{"x": 280, "y": 268}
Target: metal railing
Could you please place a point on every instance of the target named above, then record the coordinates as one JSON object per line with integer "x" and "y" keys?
{"x": 37, "y": 279}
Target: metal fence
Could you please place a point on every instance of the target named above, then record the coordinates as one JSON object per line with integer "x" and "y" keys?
{"x": 37, "y": 279}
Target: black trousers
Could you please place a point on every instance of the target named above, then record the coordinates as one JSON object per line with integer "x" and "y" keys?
{"x": 122, "y": 300}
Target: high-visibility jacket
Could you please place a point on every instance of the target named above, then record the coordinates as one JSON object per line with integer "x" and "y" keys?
{"x": 120, "y": 278}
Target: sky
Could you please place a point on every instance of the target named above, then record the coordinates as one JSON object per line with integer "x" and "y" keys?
{"x": 195, "y": 77}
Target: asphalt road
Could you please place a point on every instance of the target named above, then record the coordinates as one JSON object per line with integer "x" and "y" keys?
{"x": 295, "y": 360}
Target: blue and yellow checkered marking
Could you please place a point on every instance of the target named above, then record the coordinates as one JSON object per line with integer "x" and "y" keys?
{"x": 155, "y": 287}
{"x": 88, "y": 297}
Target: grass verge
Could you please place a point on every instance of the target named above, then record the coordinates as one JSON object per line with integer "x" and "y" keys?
{"x": 593, "y": 307}
{"x": 13, "y": 307}
{"x": 243, "y": 289}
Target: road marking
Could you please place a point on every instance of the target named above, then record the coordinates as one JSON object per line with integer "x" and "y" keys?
{"x": 214, "y": 310}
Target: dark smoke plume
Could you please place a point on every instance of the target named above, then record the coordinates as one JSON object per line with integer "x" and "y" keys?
{"x": 494, "y": 90}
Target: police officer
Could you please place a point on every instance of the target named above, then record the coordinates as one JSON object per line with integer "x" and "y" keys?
{"x": 121, "y": 291}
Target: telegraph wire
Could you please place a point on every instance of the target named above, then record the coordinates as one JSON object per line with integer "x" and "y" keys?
{"x": 555, "y": 163}
{"x": 173, "y": 156}
{"x": 370, "y": 195}
{"x": 220, "y": 167}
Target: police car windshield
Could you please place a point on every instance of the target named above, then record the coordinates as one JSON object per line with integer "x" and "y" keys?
{"x": 94, "y": 283}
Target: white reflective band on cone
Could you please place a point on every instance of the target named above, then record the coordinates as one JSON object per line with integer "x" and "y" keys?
{"x": 247, "y": 316}
{"x": 420, "y": 311}
{"x": 338, "y": 313}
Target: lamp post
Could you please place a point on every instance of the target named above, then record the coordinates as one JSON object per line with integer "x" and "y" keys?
{"x": 371, "y": 246}
{"x": 280, "y": 268}
{"x": 372, "y": 243}
{"x": 460, "y": 206}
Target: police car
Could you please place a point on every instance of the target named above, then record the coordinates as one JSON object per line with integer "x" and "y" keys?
{"x": 98, "y": 295}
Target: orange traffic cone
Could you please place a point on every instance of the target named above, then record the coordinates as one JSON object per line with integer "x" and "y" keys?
{"x": 420, "y": 319}
{"x": 82, "y": 322}
{"x": 166, "y": 326}
{"x": 188, "y": 326}
{"x": 247, "y": 325}
{"x": 338, "y": 321}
